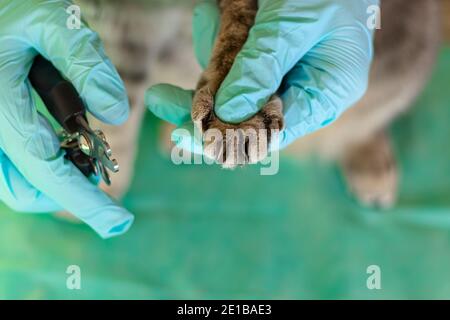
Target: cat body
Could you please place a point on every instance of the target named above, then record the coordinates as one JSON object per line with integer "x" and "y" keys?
{"x": 405, "y": 53}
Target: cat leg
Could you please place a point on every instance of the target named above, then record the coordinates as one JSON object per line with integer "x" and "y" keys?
{"x": 237, "y": 17}
{"x": 248, "y": 141}
{"x": 371, "y": 172}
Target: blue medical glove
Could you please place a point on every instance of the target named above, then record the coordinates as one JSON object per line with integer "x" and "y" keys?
{"x": 316, "y": 54}
{"x": 34, "y": 175}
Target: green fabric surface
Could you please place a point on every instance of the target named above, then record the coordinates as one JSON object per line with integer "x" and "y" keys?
{"x": 202, "y": 232}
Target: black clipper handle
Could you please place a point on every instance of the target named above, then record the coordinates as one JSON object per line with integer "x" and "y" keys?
{"x": 64, "y": 104}
{"x": 58, "y": 94}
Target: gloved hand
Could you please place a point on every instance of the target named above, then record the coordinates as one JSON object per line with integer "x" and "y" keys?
{"x": 34, "y": 175}
{"x": 316, "y": 54}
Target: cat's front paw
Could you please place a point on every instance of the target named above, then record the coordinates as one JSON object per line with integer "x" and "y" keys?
{"x": 233, "y": 145}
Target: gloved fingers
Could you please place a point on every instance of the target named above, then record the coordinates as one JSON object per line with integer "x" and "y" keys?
{"x": 18, "y": 194}
{"x": 206, "y": 24}
{"x": 315, "y": 93}
{"x": 170, "y": 103}
{"x": 284, "y": 32}
{"x": 173, "y": 104}
{"x": 30, "y": 143}
{"x": 275, "y": 44}
{"x": 79, "y": 55}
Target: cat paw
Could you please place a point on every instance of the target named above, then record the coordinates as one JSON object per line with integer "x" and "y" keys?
{"x": 233, "y": 145}
{"x": 371, "y": 173}
{"x": 202, "y": 108}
